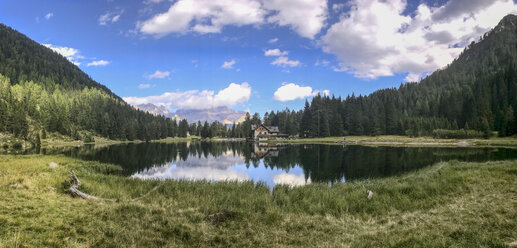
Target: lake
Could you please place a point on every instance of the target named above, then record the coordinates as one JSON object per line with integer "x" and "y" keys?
{"x": 292, "y": 165}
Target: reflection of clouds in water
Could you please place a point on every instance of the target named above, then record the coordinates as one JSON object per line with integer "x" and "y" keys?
{"x": 291, "y": 180}
{"x": 197, "y": 173}
{"x": 222, "y": 162}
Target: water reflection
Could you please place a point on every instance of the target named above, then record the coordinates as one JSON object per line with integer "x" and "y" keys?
{"x": 291, "y": 180}
{"x": 208, "y": 168}
{"x": 293, "y": 165}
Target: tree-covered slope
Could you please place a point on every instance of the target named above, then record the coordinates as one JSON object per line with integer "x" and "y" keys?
{"x": 477, "y": 91}
{"x": 41, "y": 91}
{"x": 22, "y": 59}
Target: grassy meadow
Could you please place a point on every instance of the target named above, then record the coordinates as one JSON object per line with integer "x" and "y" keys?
{"x": 394, "y": 140}
{"x": 449, "y": 204}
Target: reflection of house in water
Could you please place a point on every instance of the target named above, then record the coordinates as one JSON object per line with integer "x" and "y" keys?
{"x": 264, "y": 150}
{"x": 262, "y": 132}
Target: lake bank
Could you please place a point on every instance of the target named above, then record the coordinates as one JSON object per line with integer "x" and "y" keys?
{"x": 452, "y": 203}
{"x": 394, "y": 140}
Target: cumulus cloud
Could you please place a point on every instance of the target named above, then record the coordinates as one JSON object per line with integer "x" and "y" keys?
{"x": 338, "y": 7}
{"x": 195, "y": 99}
{"x": 306, "y": 17}
{"x": 159, "y": 74}
{"x": 322, "y": 62}
{"x": 110, "y": 17}
{"x": 281, "y": 59}
{"x": 228, "y": 64}
{"x": 71, "y": 54}
{"x": 203, "y": 16}
{"x": 152, "y": 1}
{"x": 274, "y": 40}
{"x": 145, "y": 86}
{"x": 275, "y": 52}
{"x": 49, "y": 15}
{"x": 376, "y": 38}
{"x": 285, "y": 62}
{"x": 98, "y": 63}
{"x": 291, "y": 91}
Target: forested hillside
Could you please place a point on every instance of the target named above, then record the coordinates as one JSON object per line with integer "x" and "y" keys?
{"x": 22, "y": 59}
{"x": 41, "y": 91}
{"x": 477, "y": 91}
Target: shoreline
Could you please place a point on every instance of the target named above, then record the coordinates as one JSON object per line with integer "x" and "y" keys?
{"x": 392, "y": 140}
{"x": 382, "y": 140}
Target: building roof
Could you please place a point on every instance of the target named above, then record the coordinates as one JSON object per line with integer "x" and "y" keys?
{"x": 271, "y": 129}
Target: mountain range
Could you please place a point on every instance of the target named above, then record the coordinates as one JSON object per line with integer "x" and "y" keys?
{"x": 221, "y": 114}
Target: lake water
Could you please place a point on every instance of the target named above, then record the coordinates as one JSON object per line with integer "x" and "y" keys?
{"x": 293, "y": 165}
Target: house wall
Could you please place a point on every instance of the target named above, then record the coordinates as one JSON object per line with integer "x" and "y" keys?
{"x": 260, "y": 130}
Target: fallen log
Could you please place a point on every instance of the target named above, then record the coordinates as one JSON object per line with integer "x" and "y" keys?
{"x": 74, "y": 191}
{"x": 74, "y": 183}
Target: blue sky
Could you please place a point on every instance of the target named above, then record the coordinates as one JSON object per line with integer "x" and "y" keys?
{"x": 207, "y": 53}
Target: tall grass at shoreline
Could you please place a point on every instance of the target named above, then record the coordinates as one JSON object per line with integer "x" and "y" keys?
{"x": 448, "y": 204}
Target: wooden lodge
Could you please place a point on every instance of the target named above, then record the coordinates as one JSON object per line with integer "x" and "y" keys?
{"x": 262, "y": 132}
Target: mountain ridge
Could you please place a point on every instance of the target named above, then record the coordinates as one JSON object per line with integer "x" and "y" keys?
{"x": 221, "y": 114}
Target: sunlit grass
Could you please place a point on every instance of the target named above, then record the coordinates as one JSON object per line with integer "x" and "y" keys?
{"x": 448, "y": 204}
{"x": 404, "y": 141}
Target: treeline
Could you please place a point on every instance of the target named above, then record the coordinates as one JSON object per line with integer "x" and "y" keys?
{"x": 29, "y": 111}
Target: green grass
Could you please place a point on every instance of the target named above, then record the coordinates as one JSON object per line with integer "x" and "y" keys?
{"x": 403, "y": 141}
{"x": 450, "y": 204}
{"x": 66, "y": 141}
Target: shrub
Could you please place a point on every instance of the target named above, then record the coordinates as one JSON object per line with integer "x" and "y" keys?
{"x": 88, "y": 138}
{"x": 457, "y": 134}
{"x": 17, "y": 145}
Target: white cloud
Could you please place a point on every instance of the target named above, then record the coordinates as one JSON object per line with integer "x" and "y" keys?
{"x": 322, "y": 62}
{"x": 281, "y": 59}
{"x": 338, "y": 7}
{"x": 275, "y": 52}
{"x": 228, "y": 64}
{"x": 49, "y": 15}
{"x": 274, "y": 40}
{"x": 195, "y": 99}
{"x": 291, "y": 91}
{"x": 374, "y": 38}
{"x": 98, "y": 63}
{"x": 285, "y": 62}
{"x": 71, "y": 54}
{"x": 115, "y": 18}
{"x": 145, "y": 86}
{"x": 306, "y": 17}
{"x": 159, "y": 74}
{"x": 110, "y": 17}
{"x": 203, "y": 16}
{"x": 152, "y": 1}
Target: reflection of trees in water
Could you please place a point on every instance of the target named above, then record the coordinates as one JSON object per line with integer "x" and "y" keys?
{"x": 322, "y": 163}
{"x": 138, "y": 157}
{"x": 327, "y": 163}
